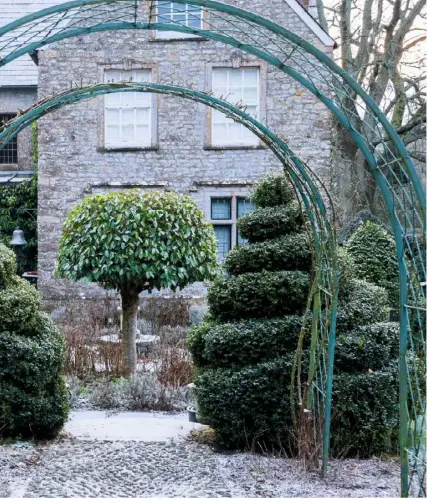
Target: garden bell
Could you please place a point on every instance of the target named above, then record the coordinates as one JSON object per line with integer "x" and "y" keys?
{"x": 18, "y": 238}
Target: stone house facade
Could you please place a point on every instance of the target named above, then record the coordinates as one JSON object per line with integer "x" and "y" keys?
{"x": 152, "y": 141}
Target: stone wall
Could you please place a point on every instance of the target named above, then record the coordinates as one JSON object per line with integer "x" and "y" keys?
{"x": 11, "y": 101}
{"x": 73, "y": 163}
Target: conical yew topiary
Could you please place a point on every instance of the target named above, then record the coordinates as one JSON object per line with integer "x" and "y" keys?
{"x": 244, "y": 350}
{"x": 33, "y": 396}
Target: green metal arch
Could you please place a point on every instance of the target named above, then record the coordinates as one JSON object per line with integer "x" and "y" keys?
{"x": 340, "y": 83}
{"x": 306, "y": 182}
{"x": 239, "y": 13}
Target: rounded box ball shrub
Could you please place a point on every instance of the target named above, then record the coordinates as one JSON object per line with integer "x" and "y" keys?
{"x": 33, "y": 396}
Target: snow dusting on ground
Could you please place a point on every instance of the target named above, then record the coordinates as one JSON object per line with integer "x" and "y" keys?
{"x": 149, "y": 455}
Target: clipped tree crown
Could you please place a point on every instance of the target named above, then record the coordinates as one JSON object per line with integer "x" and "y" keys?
{"x": 144, "y": 239}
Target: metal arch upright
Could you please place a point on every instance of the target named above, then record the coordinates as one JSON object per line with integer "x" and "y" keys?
{"x": 385, "y": 154}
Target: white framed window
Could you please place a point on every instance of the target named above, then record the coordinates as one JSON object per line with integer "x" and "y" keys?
{"x": 236, "y": 85}
{"x": 224, "y": 212}
{"x": 128, "y": 115}
{"x": 181, "y": 14}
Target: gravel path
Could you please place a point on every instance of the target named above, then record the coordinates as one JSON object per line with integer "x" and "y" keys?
{"x": 176, "y": 467}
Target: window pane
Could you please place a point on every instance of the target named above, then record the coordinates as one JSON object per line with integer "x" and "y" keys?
{"x": 112, "y": 100}
{"x": 235, "y": 78}
{"x": 218, "y": 117}
{"x": 127, "y": 114}
{"x": 112, "y": 76}
{"x": 143, "y": 99}
{"x": 128, "y": 117}
{"x": 142, "y": 76}
{"x": 179, "y": 18}
{"x": 219, "y": 77}
{"x": 249, "y": 137}
{"x": 251, "y": 77}
{"x": 143, "y": 135}
{"x": 112, "y": 117}
{"x": 221, "y": 209}
{"x": 234, "y": 131}
{"x": 9, "y": 153}
{"x": 142, "y": 117}
{"x": 252, "y": 111}
{"x": 251, "y": 95}
{"x": 128, "y": 99}
{"x": 194, "y": 21}
{"x": 179, "y": 7}
{"x": 244, "y": 207}
{"x": 236, "y": 86}
{"x": 223, "y": 236}
{"x": 128, "y": 134}
{"x": 173, "y": 12}
{"x": 112, "y": 133}
{"x": 219, "y": 132}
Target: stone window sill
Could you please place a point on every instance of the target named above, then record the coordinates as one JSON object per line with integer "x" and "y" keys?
{"x": 237, "y": 147}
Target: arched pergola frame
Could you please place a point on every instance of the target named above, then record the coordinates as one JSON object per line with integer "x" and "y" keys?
{"x": 386, "y": 156}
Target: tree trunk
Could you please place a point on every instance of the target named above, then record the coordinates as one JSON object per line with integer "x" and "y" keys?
{"x": 130, "y": 304}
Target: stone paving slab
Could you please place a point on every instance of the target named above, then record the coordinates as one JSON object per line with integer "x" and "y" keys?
{"x": 135, "y": 426}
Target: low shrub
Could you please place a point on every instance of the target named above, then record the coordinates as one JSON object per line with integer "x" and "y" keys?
{"x": 272, "y": 190}
{"x": 245, "y": 343}
{"x": 250, "y": 407}
{"x": 365, "y": 417}
{"x": 271, "y": 222}
{"x": 290, "y": 252}
{"x": 375, "y": 255}
{"x": 360, "y": 304}
{"x": 367, "y": 348}
{"x": 142, "y": 392}
{"x": 263, "y": 294}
